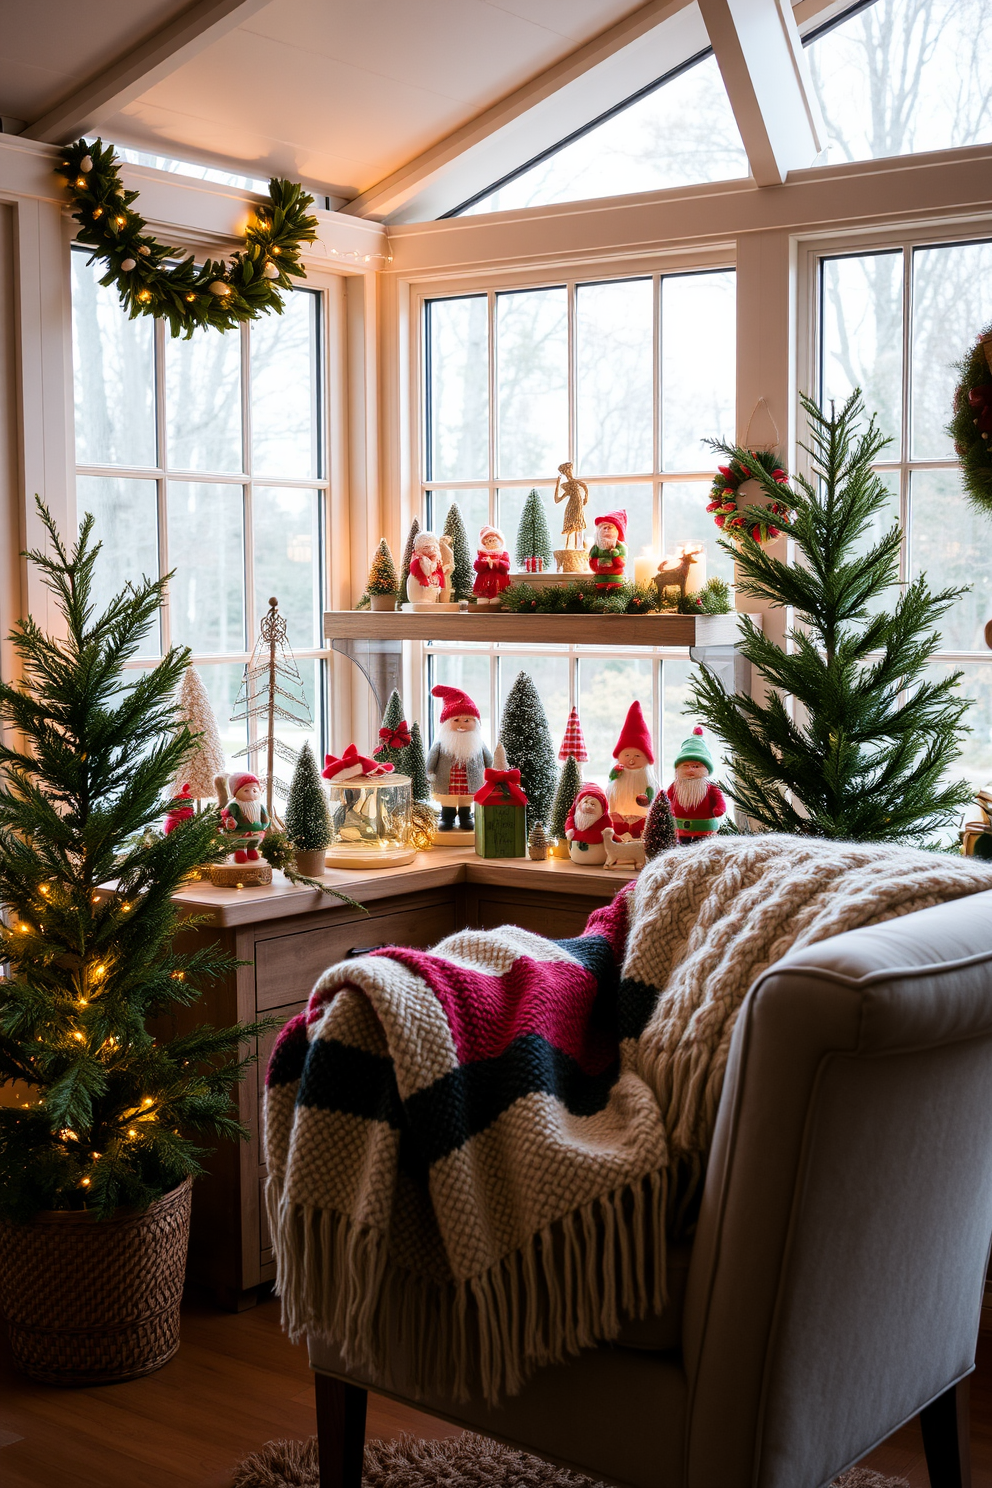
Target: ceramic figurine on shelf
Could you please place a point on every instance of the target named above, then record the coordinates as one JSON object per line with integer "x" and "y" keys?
{"x": 426, "y": 578}
{"x": 576, "y": 493}
{"x": 675, "y": 572}
{"x": 458, "y": 759}
{"x": 243, "y": 812}
{"x": 697, "y": 803}
{"x": 447, "y": 568}
{"x": 632, "y": 785}
{"x": 608, "y": 555}
{"x": 492, "y": 567}
{"x": 181, "y": 808}
{"x": 584, "y": 826}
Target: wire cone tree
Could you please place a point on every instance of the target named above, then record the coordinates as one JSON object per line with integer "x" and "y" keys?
{"x": 205, "y": 760}
{"x": 866, "y": 756}
{"x": 526, "y": 738}
{"x": 104, "y": 1110}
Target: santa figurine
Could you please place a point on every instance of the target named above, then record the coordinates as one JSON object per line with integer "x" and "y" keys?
{"x": 243, "y": 813}
{"x": 492, "y": 567}
{"x": 632, "y": 785}
{"x": 608, "y": 554}
{"x": 458, "y": 759}
{"x": 180, "y": 809}
{"x": 426, "y": 570}
{"x": 584, "y": 826}
{"x": 697, "y": 804}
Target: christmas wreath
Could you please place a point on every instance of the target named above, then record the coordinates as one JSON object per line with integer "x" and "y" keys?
{"x": 759, "y": 521}
{"x": 145, "y": 272}
{"x": 971, "y": 424}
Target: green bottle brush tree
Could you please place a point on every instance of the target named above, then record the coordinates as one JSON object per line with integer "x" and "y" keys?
{"x": 105, "y": 1110}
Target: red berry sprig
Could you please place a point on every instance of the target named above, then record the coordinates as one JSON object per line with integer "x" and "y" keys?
{"x": 724, "y": 506}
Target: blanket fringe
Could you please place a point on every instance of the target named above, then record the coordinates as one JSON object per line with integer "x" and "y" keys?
{"x": 568, "y": 1287}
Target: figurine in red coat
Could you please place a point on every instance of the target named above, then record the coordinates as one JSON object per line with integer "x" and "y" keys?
{"x": 697, "y": 804}
{"x": 180, "y": 809}
{"x": 492, "y": 567}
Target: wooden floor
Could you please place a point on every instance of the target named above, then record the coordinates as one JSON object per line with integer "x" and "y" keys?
{"x": 236, "y": 1383}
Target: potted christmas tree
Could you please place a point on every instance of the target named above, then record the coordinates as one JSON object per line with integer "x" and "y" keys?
{"x": 97, "y": 1132}
{"x": 525, "y": 736}
{"x": 534, "y": 551}
{"x": 308, "y": 820}
{"x": 383, "y": 585}
{"x": 462, "y": 577}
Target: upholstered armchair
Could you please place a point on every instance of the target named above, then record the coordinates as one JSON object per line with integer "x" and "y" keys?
{"x": 833, "y": 1287}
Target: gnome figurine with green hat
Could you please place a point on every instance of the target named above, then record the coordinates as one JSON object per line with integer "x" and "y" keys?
{"x": 697, "y": 804}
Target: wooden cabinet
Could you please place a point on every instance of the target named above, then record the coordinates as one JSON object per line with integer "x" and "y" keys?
{"x": 284, "y": 948}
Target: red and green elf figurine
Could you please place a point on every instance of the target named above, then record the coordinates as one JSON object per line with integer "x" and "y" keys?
{"x": 608, "y": 555}
{"x": 697, "y": 804}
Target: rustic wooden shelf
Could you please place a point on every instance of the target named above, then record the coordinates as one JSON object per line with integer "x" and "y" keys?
{"x": 536, "y": 630}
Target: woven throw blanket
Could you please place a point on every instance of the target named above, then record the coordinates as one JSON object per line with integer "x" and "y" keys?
{"x": 475, "y": 1151}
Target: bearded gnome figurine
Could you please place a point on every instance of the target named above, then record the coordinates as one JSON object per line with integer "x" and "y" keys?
{"x": 458, "y": 759}
{"x": 697, "y": 804}
{"x": 584, "y": 826}
{"x": 632, "y": 785}
{"x": 244, "y": 814}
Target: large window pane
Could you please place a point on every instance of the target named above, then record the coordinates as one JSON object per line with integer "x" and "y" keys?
{"x": 861, "y": 336}
{"x": 676, "y": 678}
{"x": 304, "y": 697}
{"x": 614, "y": 347}
{"x": 606, "y": 690}
{"x": 206, "y": 548}
{"x": 686, "y": 520}
{"x": 532, "y": 381}
{"x": 284, "y": 390}
{"x": 637, "y": 502}
{"x": 287, "y": 549}
{"x": 698, "y": 366}
{"x": 511, "y": 506}
{"x": 126, "y": 525}
{"x": 473, "y": 505}
{"x": 203, "y": 402}
{"x": 114, "y": 374}
{"x": 903, "y": 76}
{"x": 975, "y": 764}
{"x": 949, "y": 543}
{"x": 549, "y": 675}
{"x": 952, "y": 299}
{"x": 223, "y": 683}
{"x": 681, "y": 133}
{"x": 471, "y": 674}
{"x": 457, "y": 389}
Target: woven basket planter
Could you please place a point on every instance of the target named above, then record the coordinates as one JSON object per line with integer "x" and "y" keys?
{"x": 92, "y": 1302}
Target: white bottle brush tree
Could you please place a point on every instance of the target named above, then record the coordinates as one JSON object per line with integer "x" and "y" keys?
{"x": 205, "y": 760}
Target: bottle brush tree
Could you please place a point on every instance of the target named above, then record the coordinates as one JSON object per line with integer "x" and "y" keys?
{"x": 103, "y": 1112}
{"x": 569, "y": 782}
{"x": 308, "y": 818}
{"x": 533, "y": 534}
{"x": 390, "y": 749}
{"x": 382, "y": 574}
{"x": 659, "y": 829}
{"x": 205, "y": 760}
{"x": 526, "y": 738}
{"x": 407, "y": 559}
{"x": 416, "y": 766}
{"x": 463, "y": 575}
{"x": 863, "y": 753}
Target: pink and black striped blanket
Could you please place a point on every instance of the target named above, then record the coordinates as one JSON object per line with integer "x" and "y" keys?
{"x": 474, "y": 1151}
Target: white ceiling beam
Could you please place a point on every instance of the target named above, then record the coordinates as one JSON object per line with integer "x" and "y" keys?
{"x": 139, "y": 69}
{"x": 766, "y": 74}
{"x": 391, "y": 194}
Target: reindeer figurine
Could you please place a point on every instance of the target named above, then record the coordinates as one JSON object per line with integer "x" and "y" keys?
{"x": 675, "y": 575}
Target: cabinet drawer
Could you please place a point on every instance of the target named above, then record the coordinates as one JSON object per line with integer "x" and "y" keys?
{"x": 286, "y": 966}
{"x": 557, "y": 923}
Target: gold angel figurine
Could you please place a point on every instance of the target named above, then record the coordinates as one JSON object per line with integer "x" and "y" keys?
{"x": 576, "y": 493}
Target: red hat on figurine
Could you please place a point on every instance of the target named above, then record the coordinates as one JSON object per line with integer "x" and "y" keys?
{"x": 455, "y": 702}
{"x": 242, "y": 778}
{"x": 590, "y": 788}
{"x": 619, "y": 520}
{"x": 634, "y": 734}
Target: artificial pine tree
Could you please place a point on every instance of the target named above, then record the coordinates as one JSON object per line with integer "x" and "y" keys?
{"x": 385, "y": 752}
{"x": 308, "y": 820}
{"x": 526, "y": 738}
{"x": 406, "y": 560}
{"x": 569, "y": 782}
{"x": 533, "y": 534}
{"x": 416, "y": 766}
{"x": 866, "y": 756}
{"x": 206, "y": 757}
{"x": 382, "y": 578}
{"x": 659, "y": 829}
{"x": 463, "y": 576}
{"x": 107, "y": 1109}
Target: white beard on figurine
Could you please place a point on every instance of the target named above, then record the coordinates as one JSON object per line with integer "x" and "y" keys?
{"x": 584, "y": 827}
{"x": 632, "y": 785}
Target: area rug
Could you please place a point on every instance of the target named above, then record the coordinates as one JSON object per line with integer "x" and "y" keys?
{"x": 466, "y": 1461}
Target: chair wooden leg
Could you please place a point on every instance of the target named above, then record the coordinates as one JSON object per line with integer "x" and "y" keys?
{"x": 340, "y": 1432}
{"x": 947, "y": 1438}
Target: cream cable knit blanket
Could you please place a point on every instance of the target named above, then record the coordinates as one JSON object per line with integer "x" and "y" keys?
{"x": 476, "y": 1149}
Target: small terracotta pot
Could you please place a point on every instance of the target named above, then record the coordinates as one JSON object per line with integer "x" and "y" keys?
{"x": 310, "y": 862}
{"x": 382, "y": 601}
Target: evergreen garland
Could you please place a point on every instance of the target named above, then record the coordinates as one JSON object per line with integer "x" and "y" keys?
{"x": 569, "y": 783}
{"x": 533, "y": 534}
{"x": 416, "y": 766}
{"x": 525, "y": 736}
{"x": 216, "y": 294}
{"x": 971, "y": 423}
{"x": 308, "y": 820}
{"x": 865, "y": 758}
{"x": 406, "y": 560}
{"x": 659, "y": 829}
{"x": 88, "y": 935}
{"x": 463, "y": 574}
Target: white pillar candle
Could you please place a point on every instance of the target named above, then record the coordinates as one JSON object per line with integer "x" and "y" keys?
{"x": 645, "y": 568}
{"x": 696, "y": 577}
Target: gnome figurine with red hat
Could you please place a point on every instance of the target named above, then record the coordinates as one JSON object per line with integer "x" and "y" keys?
{"x": 697, "y": 804}
{"x": 244, "y": 814}
{"x": 458, "y": 759}
{"x": 492, "y": 567}
{"x": 608, "y": 554}
{"x": 180, "y": 809}
{"x": 632, "y": 786}
{"x": 584, "y": 826}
